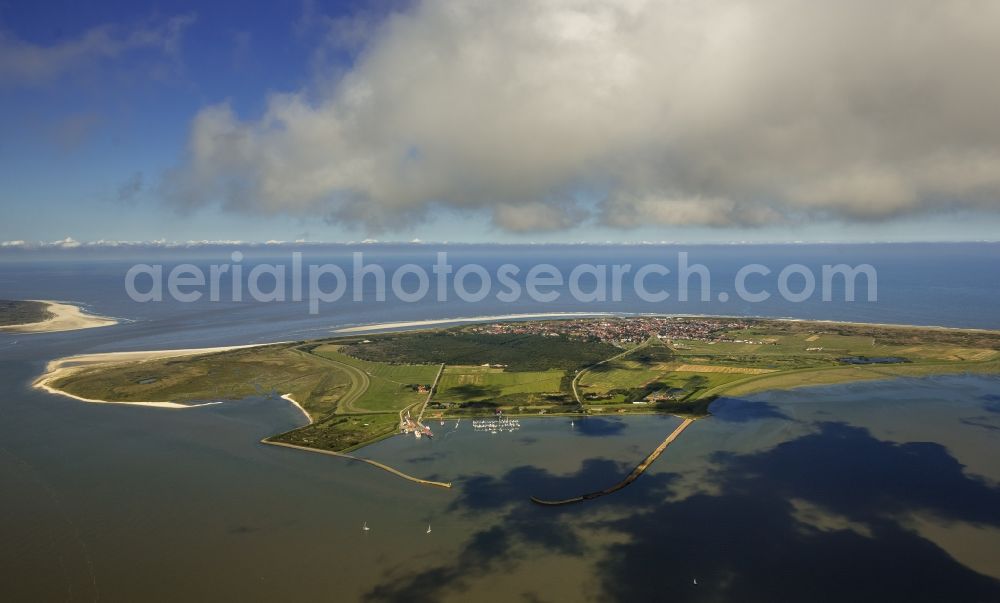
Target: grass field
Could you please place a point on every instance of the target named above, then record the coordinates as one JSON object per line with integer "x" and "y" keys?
{"x": 456, "y": 347}
{"x": 470, "y": 383}
{"x": 230, "y": 375}
{"x": 622, "y": 373}
{"x": 770, "y": 357}
{"x": 718, "y": 368}
{"x": 342, "y": 433}
{"x": 623, "y": 386}
{"x": 354, "y": 389}
{"x": 328, "y": 384}
{"x": 634, "y": 367}
{"x": 808, "y": 354}
{"x": 390, "y": 387}
{"x": 847, "y": 374}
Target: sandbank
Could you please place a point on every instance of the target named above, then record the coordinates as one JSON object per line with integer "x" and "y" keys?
{"x": 65, "y": 317}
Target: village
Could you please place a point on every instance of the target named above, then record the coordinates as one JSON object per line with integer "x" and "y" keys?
{"x": 623, "y": 330}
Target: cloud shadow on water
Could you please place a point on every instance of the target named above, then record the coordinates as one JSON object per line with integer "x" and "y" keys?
{"x": 747, "y": 543}
{"x": 745, "y": 538}
{"x": 484, "y": 492}
{"x": 521, "y": 527}
{"x": 427, "y": 458}
{"x": 992, "y": 403}
{"x": 982, "y": 422}
{"x": 599, "y": 426}
{"x": 737, "y": 410}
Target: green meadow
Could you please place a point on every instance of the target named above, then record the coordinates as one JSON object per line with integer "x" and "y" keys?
{"x": 355, "y": 389}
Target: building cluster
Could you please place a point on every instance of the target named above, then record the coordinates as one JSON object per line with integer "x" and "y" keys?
{"x": 621, "y": 330}
{"x": 408, "y": 424}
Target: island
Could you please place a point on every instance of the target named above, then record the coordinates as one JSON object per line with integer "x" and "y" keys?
{"x": 357, "y": 389}
{"x": 45, "y": 316}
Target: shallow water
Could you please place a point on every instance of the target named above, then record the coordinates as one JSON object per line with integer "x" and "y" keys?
{"x": 868, "y": 491}
{"x": 888, "y": 490}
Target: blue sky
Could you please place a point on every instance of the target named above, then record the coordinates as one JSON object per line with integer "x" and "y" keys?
{"x": 104, "y": 103}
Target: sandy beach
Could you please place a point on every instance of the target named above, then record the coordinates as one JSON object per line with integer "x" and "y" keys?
{"x": 298, "y": 406}
{"x": 65, "y": 317}
{"x": 62, "y": 367}
{"x": 65, "y": 366}
{"x": 442, "y": 321}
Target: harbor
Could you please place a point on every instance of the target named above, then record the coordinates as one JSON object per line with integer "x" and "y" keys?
{"x": 410, "y": 425}
{"x": 497, "y": 425}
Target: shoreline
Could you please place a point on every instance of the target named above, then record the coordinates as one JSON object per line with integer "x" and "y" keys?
{"x": 443, "y": 321}
{"x": 554, "y": 315}
{"x": 62, "y": 367}
{"x": 66, "y": 316}
{"x": 289, "y": 398}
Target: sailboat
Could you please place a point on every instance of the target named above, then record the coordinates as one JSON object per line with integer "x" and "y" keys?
{"x": 365, "y": 527}
{"x": 696, "y": 582}
{"x": 428, "y": 528}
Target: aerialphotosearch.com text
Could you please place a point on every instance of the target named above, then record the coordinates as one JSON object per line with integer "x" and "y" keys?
{"x": 361, "y": 281}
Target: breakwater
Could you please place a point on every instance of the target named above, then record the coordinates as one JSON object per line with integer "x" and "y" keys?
{"x": 639, "y": 470}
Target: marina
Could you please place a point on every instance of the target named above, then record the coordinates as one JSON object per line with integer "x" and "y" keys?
{"x": 496, "y": 425}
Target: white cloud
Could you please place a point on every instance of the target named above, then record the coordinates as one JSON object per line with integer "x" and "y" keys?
{"x": 25, "y": 62}
{"x": 716, "y": 113}
{"x": 67, "y": 243}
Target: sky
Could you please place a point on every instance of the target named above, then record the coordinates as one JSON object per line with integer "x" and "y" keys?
{"x": 519, "y": 121}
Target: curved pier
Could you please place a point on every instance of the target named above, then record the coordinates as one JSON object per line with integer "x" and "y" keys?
{"x": 382, "y": 466}
{"x": 631, "y": 476}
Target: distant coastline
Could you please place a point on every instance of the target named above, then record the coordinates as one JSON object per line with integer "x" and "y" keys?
{"x": 443, "y": 321}
{"x": 62, "y": 316}
{"x": 406, "y": 325}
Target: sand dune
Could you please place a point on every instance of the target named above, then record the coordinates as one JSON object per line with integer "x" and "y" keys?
{"x": 65, "y": 317}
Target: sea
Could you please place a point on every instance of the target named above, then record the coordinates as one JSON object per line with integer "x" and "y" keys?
{"x": 886, "y": 490}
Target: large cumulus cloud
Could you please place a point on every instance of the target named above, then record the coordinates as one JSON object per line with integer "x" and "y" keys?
{"x": 546, "y": 114}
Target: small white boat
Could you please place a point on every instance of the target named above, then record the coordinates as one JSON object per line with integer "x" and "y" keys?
{"x": 696, "y": 582}
{"x": 365, "y": 527}
{"x": 428, "y": 528}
